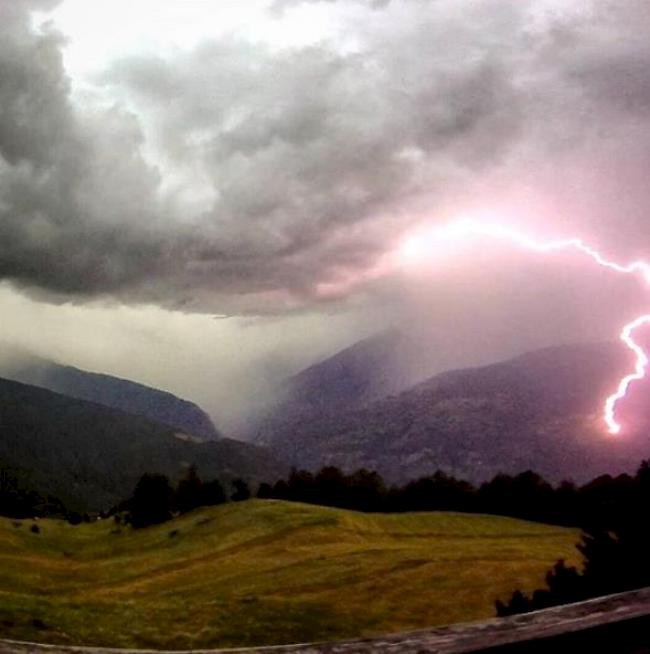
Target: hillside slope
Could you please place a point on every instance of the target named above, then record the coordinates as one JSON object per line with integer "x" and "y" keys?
{"x": 91, "y": 456}
{"x": 368, "y": 370}
{"x": 264, "y": 572}
{"x": 110, "y": 391}
{"x": 540, "y": 411}
{"x": 371, "y": 369}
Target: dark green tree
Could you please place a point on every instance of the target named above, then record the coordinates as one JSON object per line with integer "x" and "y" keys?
{"x": 265, "y": 491}
{"x": 151, "y": 502}
{"x": 190, "y": 492}
{"x": 241, "y": 491}
{"x": 213, "y": 493}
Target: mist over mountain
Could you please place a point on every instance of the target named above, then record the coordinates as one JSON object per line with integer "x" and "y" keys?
{"x": 541, "y": 411}
{"x": 374, "y": 367}
{"x": 110, "y": 391}
{"x": 370, "y": 369}
{"x": 90, "y": 456}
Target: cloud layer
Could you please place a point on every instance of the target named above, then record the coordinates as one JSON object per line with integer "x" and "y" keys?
{"x": 240, "y": 176}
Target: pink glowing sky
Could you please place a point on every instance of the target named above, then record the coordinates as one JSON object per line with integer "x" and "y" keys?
{"x": 423, "y": 246}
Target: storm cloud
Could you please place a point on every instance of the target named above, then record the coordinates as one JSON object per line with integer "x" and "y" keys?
{"x": 238, "y": 176}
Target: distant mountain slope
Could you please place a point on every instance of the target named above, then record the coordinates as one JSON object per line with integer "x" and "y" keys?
{"x": 113, "y": 392}
{"x": 90, "y": 456}
{"x": 365, "y": 371}
{"x": 368, "y": 370}
{"x": 541, "y": 410}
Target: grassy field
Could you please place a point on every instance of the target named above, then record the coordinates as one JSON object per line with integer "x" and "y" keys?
{"x": 264, "y": 572}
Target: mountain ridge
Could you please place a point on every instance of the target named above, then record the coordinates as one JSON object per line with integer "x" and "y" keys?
{"x": 111, "y": 391}
{"x": 540, "y": 410}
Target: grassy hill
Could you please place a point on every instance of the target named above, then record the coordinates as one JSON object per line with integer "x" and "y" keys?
{"x": 264, "y": 572}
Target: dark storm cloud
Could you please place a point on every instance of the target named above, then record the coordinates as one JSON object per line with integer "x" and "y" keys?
{"x": 306, "y": 145}
{"x": 34, "y": 113}
{"x": 311, "y": 158}
{"x": 75, "y": 196}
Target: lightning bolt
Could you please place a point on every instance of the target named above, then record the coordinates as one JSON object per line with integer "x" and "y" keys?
{"x": 639, "y": 372}
{"x": 416, "y": 246}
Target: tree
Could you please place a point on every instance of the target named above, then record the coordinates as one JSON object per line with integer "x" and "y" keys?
{"x": 213, "y": 493}
{"x": 281, "y": 490}
{"x": 440, "y": 492}
{"x": 519, "y": 603}
{"x": 367, "y": 490}
{"x": 526, "y": 495}
{"x": 330, "y": 487}
{"x": 265, "y": 491}
{"x": 151, "y": 502}
{"x": 189, "y": 494}
{"x": 241, "y": 491}
{"x": 16, "y": 501}
{"x": 301, "y": 486}
{"x": 615, "y": 561}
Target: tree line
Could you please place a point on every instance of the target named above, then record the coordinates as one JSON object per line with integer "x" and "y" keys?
{"x": 19, "y": 500}
{"x": 156, "y": 500}
{"x": 601, "y": 503}
{"x": 604, "y": 503}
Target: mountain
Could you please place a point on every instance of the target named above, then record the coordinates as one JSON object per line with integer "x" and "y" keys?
{"x": 90, "y": 456}
{"x": 370, "y": 369}
{"x": 541, "y": 411}
{"x": 112, "y": 392}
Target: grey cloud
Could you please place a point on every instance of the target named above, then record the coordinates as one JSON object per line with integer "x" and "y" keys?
{"x": 307, "y": 143}
{"x": 76, "y": 199}
{"x": 313, "y": 156}
{"x": 34, "y": 113}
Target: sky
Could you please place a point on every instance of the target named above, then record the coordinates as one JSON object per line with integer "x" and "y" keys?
{"x": 207, "y": 196}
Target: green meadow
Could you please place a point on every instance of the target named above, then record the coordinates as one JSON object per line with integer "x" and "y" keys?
{"x": 264, "y": 572}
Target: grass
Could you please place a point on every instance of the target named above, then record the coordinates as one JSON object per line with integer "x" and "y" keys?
{"x": 264, "y": 572}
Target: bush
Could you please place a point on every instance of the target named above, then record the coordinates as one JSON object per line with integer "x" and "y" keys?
{"x": 74, "y": 518}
